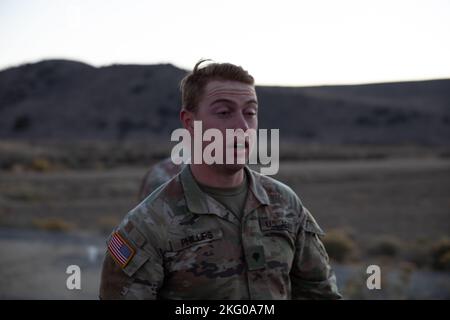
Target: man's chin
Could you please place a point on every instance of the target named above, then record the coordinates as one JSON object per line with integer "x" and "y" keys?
{"x": 230, "y": 168}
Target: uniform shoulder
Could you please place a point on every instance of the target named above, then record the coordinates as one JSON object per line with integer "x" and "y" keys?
{"x": 280, "y": 193}
{"x": 275, "y": 188}
{"x": 162, "y": 201}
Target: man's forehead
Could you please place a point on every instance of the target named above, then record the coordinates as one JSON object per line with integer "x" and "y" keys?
{"x": 217, "y": 88}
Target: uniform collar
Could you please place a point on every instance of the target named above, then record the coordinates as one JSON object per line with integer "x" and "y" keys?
{"x": 257, "y": 187}
{"x": 198, "y": 202}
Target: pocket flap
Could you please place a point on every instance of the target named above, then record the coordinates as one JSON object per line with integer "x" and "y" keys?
{"x": 135, "y": 263}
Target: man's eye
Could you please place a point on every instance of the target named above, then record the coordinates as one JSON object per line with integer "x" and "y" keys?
{"x": 223, "y": 113}
{"x": 251, "y": 113}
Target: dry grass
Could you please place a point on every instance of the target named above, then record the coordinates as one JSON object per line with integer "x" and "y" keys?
{"x": 46, "y": 156}
{"x": 107, "y": 223}
{"x": 23, "y": 193}
{"x": 53, "y": 224}
{"x": 94, "y": 184}
{"x": 91, "y": 154}
{"x": 440, "y": 253}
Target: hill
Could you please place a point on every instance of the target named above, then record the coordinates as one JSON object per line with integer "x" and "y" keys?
{"x": 60, "y": 99}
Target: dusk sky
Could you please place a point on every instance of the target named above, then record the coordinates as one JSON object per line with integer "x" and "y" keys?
{"x": 279, "y": 42}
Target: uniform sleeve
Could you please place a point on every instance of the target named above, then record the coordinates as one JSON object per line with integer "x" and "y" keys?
{"x": 132, "y": 267}
{"x": 311, "y": 274}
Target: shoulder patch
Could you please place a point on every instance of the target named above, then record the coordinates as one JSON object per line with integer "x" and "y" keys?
{"x": 120, "y": 250}
{"x": 311, "y": 224}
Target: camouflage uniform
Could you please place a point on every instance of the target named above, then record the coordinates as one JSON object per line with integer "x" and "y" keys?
{"x": 183, "y": 244}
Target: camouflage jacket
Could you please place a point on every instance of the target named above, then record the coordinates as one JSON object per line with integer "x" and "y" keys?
{"x": 179, "y": 243}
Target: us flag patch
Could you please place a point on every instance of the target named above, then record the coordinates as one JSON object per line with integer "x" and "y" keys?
{"x": 120, "y": 250}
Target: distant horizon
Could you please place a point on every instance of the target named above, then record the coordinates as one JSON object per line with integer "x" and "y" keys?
{"x": 11, "y": 66}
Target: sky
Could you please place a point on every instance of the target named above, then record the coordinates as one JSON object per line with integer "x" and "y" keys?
{"x": 286, "y": 43}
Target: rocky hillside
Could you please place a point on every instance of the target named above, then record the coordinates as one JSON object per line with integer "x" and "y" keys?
{"x": 60, "y": 99}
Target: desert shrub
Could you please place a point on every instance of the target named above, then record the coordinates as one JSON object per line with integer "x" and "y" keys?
{"x": 385, "y": 246}
{"x": 444, "y": 262}
{"x": 14, "y": 155}
{"x": 41, "y": 165}
{"x": 419, "y": 254}
{"x": 339, "y": 245}
{"x": 440, "y": 253}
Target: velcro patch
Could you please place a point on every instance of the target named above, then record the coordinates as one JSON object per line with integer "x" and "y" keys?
{"x": 276, "y": 224}
{"x": 255, "y": 258}
{"x": 120, "y": 250}
{"x": 196, "y": 238}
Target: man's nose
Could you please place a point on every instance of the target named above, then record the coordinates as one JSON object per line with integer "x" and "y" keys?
{"x": 241, "y": 122}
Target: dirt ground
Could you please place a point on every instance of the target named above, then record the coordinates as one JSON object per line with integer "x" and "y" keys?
{"x": 408, "y": 198}
{"x": 34, "y": 264}
{"x": 405, "y": 198}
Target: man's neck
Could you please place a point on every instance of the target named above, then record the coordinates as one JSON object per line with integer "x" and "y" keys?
{"x": 211, "y": 176}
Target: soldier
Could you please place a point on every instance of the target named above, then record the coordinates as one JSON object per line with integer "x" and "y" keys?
{"x": 219, "y": 231}
{"x": 159, "y": 173}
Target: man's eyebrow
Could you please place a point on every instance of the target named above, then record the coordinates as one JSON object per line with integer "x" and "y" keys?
{"x": 223, "y": 100}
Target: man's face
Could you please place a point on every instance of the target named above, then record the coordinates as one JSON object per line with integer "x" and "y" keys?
{"x": 229, "y": 105}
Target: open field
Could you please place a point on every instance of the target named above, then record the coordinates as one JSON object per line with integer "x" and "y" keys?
{"x": 408, "y": 198}
{"x": 34, "y": 266}
{"x": 50, "y": 219}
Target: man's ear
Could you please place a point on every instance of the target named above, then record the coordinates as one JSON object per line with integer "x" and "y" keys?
{"x": 187, "y": 119}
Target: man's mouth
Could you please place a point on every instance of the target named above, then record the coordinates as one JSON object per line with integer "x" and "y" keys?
{"x": 241, "y": 145}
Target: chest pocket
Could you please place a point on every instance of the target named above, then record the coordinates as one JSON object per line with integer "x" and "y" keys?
{"x": 195, "y": 238}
